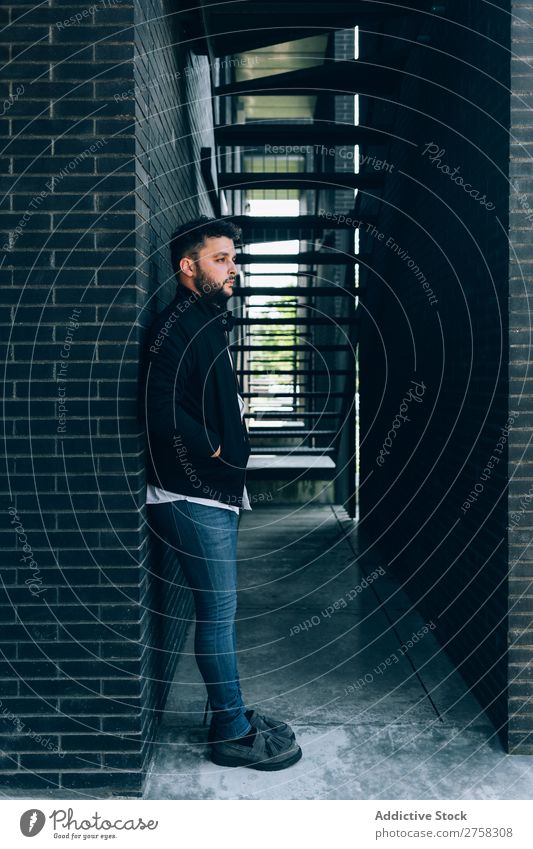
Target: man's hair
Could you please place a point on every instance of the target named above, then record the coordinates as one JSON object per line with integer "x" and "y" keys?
{"x": 190, "y": 237}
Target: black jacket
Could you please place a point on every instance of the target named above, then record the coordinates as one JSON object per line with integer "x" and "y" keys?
{"x": 189, "y": 402}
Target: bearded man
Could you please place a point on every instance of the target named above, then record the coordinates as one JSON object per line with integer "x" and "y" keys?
{"x": 197, "y": 451}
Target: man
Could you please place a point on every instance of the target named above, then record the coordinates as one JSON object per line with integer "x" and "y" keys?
{"x": 198, "y": 449}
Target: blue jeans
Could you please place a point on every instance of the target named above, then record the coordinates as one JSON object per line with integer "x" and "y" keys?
{"x": 205, "y": 539}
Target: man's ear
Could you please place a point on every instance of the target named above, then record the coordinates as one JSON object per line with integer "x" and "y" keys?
{"x": 187, "y": 266}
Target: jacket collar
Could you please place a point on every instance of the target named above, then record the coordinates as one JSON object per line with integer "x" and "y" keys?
{"x": 226, "y": 319}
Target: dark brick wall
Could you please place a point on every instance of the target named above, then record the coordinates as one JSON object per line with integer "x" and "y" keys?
{"x": 93, "y": 182}
{"x": 331, "y": 158}
{"x": 431, "y": 501}
{"x": 174, "y": 121}
{"x": 520, "y": 384}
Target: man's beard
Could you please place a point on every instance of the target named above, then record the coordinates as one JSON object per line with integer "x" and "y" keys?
{"x": 210, "y": 289}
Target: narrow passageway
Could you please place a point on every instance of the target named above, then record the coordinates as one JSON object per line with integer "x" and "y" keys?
{"x": 376, "y": 157}
{"x": 328, "y": 641}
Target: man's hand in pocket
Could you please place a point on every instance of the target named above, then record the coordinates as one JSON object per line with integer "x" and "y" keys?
{"x": 217, "y": 452}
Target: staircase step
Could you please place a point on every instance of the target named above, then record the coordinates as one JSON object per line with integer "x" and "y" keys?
{"x": 300, "y": 321}
{"x": 343, "y": 76}
{"x": 303, "y": 258}
{"x": 239, "y": 180}
{"x": 289, "y": 372}
{"x": 303, "y": 464}
{"x": 295, "y": 395}
{"x": 326, "y": 133}
{"x": 262, "y": 432}
{"x": 276, "y": 348}
{"x": 291, "y": 414}
{"x": 293, "y": 224}
{"x": 308, "y": 291}
{"x": 237, "y": 29}
{"x": 283, "y": 450}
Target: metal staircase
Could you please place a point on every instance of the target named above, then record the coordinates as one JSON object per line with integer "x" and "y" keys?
{"x": 298, "y": 316}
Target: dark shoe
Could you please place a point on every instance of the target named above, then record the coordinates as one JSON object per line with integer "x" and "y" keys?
{"x": 270, "y": 751}
{"x": 266, "y": 723}
{"x": 262, "y": 723}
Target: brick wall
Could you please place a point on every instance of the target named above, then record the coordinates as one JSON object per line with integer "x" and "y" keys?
{"x": 174, "y": 121}
{"x": 430, "y": 500}
{"x": 520, "y": 500}
{"x": 340, "y": 110}
{"x": 93, "y": 183}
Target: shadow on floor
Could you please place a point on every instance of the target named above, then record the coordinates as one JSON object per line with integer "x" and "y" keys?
{"x": 327, "y": 641}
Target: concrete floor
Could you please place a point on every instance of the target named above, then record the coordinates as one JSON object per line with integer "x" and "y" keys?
{"x": 411, "y": 731}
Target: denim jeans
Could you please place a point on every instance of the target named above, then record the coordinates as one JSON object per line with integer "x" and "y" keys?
{"x": 205, "y": 539}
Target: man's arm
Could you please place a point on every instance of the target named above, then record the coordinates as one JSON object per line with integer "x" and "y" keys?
{"x": 168, "y": 372}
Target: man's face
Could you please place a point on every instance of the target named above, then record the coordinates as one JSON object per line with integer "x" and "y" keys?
{"x": 215, "y": 270}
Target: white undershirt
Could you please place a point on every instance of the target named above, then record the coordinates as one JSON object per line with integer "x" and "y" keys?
{"x": 156, "y": 495}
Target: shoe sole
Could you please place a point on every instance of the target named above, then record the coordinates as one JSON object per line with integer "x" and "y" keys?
{"x": 265, "y": 766}
{"x": 291, "y": 737}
